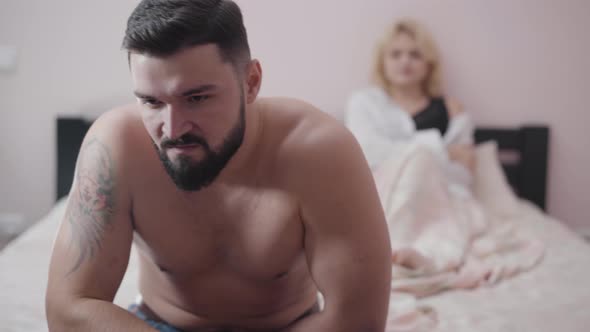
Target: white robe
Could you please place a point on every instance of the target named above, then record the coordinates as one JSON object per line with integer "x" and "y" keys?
{"x": 382, "y": 128}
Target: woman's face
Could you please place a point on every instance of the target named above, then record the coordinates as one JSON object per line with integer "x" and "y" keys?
{"x": 404, "y": 63}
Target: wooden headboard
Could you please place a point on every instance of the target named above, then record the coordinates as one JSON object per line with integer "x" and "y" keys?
{"x": 527, "y": 173}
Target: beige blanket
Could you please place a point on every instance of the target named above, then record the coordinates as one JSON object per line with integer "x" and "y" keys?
{"x": 446, "y": 236}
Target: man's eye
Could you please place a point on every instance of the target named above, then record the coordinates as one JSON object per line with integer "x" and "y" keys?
{"x": 197, "y": 99}
{"x": 152, "y": 103}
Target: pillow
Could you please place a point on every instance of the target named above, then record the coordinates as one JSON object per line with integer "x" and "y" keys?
{"x": 490, "y": 186}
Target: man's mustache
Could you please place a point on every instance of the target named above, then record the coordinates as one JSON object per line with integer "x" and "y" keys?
{"x": 185, "y": 139}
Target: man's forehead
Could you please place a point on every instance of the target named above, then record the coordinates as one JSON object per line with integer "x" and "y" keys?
{"x": 175, "y": 74}
{"x": 205, "y": 56}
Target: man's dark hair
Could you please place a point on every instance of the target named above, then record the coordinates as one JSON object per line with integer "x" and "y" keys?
{"x": 164, "y": 27}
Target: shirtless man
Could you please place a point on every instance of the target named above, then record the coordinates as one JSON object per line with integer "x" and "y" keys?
{"x": 242, "y": 209}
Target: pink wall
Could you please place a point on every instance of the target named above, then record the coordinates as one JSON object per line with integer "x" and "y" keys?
{"x": 69, "y": 63}
{"x": 509, "y": 61}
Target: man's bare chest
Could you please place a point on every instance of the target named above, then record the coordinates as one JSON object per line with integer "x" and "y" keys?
{"x": 250, "y": 232}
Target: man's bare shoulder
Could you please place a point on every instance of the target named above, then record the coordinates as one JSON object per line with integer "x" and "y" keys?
{"x": 298, "y": 125}
{"x": 117, "y": 121}
{"x": 119, "y": 131}
{"x": 309, "y": 138}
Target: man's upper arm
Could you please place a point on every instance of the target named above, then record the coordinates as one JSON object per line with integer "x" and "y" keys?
{"x": 91, "y": 251}
{"x": 346, "y": 237}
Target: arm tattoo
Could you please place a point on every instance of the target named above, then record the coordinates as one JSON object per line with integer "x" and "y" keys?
{"x": 92, "y": 201}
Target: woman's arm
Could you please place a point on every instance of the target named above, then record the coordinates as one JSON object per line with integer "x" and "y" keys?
{"x": 459, "y": 136}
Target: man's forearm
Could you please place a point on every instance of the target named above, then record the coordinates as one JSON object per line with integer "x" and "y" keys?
{"x": 94, "y": 316}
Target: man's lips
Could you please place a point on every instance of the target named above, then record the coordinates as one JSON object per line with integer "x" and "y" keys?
{"x": 184, "y": 147}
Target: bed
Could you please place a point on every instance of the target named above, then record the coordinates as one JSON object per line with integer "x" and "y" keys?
{"x": 552, "y": 297}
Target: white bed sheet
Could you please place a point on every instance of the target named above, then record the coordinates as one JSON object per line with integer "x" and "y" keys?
{"x": 24, "y": 266}
{"x": 555, "y": 296}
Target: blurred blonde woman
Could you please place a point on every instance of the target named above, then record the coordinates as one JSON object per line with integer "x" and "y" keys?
{"x": 446, "y": 228}
{"x": 407, "y": 100}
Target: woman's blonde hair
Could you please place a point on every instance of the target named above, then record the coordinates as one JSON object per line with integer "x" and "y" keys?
{"x": 432, "y": 84}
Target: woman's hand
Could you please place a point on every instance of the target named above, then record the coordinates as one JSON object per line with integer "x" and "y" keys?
{"x": 463, "y": 154}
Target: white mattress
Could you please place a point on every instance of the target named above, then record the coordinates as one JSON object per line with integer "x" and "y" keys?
{"x": 553, "y": 297}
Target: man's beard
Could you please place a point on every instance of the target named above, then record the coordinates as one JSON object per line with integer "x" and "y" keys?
{"x": 190, "y": 175}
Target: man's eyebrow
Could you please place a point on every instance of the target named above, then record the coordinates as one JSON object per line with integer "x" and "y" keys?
{"x": 198, "y": 90}
{"x": 142, "y": 96}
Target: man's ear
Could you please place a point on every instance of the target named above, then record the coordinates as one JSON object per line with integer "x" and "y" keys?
{"x": 253, "y": 80}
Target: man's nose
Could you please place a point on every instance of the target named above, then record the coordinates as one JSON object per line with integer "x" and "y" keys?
{"x": 175, "y": 123}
